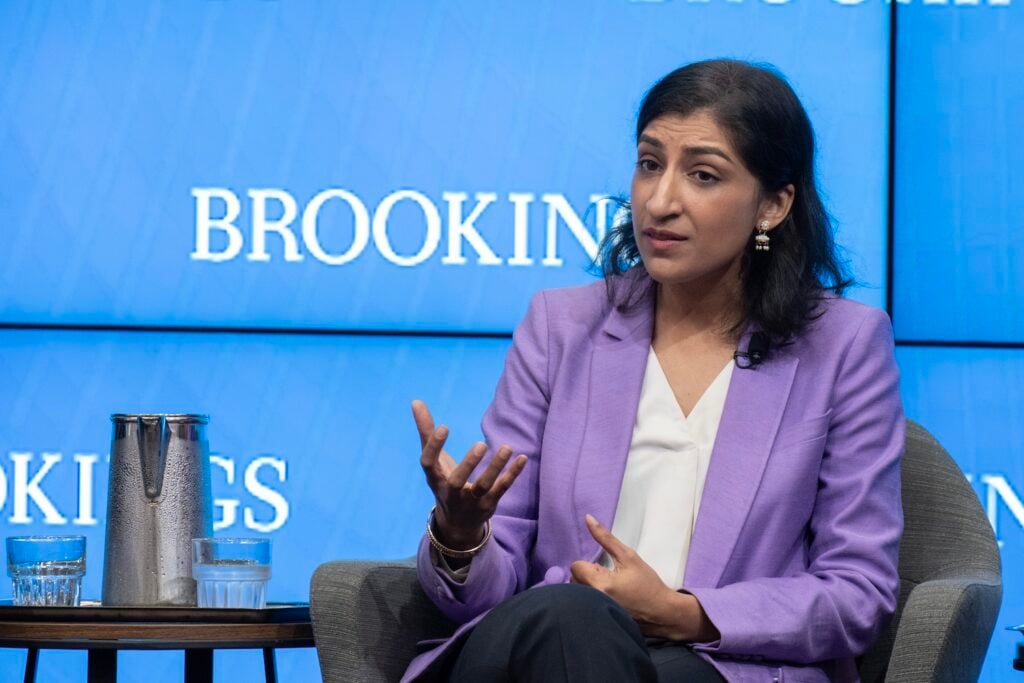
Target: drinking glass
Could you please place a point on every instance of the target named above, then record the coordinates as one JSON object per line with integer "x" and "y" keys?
{"x": 46, "y": 570}
{"x": 231, "y": 572}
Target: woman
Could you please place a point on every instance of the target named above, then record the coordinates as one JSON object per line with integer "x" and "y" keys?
{"x": 717, "y": 371}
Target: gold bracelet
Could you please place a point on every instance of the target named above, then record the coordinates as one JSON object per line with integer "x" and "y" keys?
{"x": 450, "y": 552}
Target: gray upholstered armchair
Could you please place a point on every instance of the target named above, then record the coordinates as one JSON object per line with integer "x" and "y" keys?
{"x": 368, "y": 616}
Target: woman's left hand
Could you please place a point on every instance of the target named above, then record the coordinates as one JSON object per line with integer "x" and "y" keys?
{"x": 660, "y": 611}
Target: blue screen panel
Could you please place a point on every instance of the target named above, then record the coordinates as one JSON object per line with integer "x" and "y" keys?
{"x": 312, "y": 436}
{"x": 372, "y": 165}
{"x": 959, "y": 259}
{"x": 971, "y": 399}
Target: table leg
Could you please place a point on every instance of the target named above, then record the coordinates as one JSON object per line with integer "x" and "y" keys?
{"x": 102, "y": 666}
{"x": 198, "y": 666}
{"x": 269, "y": 665}
{"x": 30, "y": 665}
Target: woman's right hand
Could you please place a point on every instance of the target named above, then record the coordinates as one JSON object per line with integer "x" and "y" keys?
{"x": 463, "y": 508}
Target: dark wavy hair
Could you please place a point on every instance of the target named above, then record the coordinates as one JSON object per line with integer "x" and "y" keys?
{"x": 767, "y": 125}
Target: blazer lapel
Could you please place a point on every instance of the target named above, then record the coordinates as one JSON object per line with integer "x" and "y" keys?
{"x": 750, "y": 420}
{"x": 617, "y": 367}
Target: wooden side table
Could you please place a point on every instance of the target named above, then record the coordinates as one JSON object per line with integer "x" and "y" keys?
{"x": 102, "y": 631}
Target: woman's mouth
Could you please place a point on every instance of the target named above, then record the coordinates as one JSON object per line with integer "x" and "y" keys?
{"x": 662, "y": 239}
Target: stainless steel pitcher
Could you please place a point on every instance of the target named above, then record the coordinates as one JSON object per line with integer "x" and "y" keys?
{"x": 159, "y": 500}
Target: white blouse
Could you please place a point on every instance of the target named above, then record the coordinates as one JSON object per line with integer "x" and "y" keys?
{"x": 665, "y": 471}
{"x": 664, "y": 479}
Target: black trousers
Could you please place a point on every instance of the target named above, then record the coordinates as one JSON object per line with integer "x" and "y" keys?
{"x": 570, "y": 632}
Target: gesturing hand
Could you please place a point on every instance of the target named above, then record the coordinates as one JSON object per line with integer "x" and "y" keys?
{"x": 462, "y": 507}
{"x": 659, "y": 610}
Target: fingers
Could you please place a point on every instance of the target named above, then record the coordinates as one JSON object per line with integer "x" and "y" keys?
{"x": 507, "y": 478}
{"x": 615, "y": 548}
{"x": 487, "y": 478}
{"x": 424, "y": 421}
{"x": 492, "y": 483}
{"x": 460, "y": 475}
{"x": 432, "y": 449}
{"x": 486, "y": 482}
{"x": 588, "y": 574}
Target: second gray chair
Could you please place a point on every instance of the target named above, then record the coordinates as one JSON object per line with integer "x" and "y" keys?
{"x": 368, "y": 616}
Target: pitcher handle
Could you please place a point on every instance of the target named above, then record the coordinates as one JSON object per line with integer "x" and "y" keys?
{"x": 152, "y": 453}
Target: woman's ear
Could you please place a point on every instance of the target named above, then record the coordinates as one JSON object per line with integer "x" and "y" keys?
{"x": 775, "y": 206}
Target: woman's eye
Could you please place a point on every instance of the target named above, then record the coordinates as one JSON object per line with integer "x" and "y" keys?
{"x": 647, "y": 165}
{"x": 704, "y": 177}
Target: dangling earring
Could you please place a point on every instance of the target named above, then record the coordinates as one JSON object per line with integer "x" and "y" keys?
{"x": 761, "y": 239}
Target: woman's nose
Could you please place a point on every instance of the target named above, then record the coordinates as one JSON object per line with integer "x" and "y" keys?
{"x": 665, "y": 201}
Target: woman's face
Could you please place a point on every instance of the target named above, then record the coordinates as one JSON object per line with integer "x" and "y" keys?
{"x": 695, "y": 205}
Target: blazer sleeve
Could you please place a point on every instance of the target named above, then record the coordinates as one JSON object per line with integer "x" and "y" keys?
{"x": 838, "y": 606}
{"x": 516, "y": 417}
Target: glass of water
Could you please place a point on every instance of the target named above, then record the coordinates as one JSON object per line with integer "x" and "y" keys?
{"x": 231, "y": 572}
{"x": 46, "y": 570}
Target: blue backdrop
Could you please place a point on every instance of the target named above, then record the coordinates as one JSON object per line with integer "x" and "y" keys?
{"x": 959, "y": 262}
{"x": 392, "y": 165}
{"x": 958, "y": 272}
{"x": 412, "y": 172}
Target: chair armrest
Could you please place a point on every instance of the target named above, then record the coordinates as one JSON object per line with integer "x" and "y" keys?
{"x": 945, "y": 629}
{"x": 367, "y": 618}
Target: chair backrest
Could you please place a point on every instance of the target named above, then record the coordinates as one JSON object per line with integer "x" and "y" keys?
{"x": 367, "y": 618}
{"x": 945, "y": 533}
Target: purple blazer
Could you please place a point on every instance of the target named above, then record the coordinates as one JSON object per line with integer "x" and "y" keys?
{"x": 794, "y": 552}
